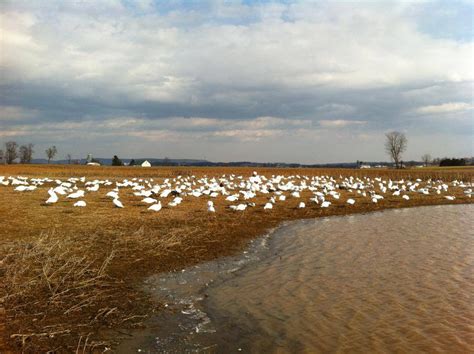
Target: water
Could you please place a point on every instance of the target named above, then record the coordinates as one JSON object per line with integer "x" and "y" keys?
{"x": 393, "y": 281}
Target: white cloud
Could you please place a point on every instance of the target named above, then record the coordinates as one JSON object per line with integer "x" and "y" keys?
{"x": 340, "y": 123}
{"x": 450, "y": 107}
{"x": 150, "y": 58}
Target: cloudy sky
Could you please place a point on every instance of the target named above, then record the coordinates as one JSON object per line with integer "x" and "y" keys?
{"x": 308, "y": 82}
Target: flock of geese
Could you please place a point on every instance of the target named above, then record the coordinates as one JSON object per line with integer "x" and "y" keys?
{"x": 239, "y": 191}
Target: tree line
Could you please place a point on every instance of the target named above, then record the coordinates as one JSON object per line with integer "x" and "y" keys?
{"x": 396, "y": 144}
{"x": 13, "y": 151}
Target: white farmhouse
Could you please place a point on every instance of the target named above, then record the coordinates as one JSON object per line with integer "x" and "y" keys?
{"x": 146, "y": 164}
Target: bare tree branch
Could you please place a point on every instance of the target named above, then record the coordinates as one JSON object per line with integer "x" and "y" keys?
{"x": 395, "y": 145}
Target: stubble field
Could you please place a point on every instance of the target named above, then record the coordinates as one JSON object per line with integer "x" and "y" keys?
{"x": 70, "y": 277}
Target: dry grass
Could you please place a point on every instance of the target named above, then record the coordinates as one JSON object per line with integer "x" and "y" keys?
{"x": 50, "y": 282}
{"x": 66, "y": 273}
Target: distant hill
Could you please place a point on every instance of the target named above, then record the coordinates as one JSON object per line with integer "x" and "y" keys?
{"x": 108, "y": 161}
{"x": 197, "y": 162}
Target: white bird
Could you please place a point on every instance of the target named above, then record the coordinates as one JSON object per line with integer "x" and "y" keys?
{"x": 177, "y": 200}
{"x": 165, "y": 193}
{"x": 282, "y": 197}
{"x": 301, "y": 205}
{"x": 325, "y": 204}
{"x": 149, "y": 200}
{"x": 406, "y": 197}
{"x": 53, "y": 197}
{"x": 94, "y": 188}
{"x": 80, "y": 203}
{"x": 60, "y": 190}
{"x": 240, "y": 207}
{"x": 350, "y": 201}
{"x": 449, "y": 197}
{"x": 76, "y": 195}
{"x": 374, "y": 200}
{"x": 210, "y": 207}
{"x": 112, "y": 194}
{"x": 117, "y": 203}
{"x": 268, "y": 206}
{"x": 232, "y": 198}
{"x": 21, "y": 188}
{"x": 155, "y": 207}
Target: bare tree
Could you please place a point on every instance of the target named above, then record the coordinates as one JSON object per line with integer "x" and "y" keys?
{"x": 426, "y": 158}
{"x": 395, "y": 145}
{"x": 26, "y": 153}
{"x": 10, "y": 151}
{"x": 69, "y": 158}
{"x": 51, "y": 152}
{"x": 2, "y": 156}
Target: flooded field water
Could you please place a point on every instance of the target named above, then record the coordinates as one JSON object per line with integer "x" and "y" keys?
{"x": 393, "y": 281}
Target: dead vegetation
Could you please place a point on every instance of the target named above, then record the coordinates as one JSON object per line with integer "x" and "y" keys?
{"x": 56, "y": 291}
{"x": 70, "y": 279}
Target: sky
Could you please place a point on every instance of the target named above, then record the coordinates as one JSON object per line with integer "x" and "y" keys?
{"x": 283, "y": 81}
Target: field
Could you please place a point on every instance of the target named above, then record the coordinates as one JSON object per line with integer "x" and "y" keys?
{"x": 70, "y": 277}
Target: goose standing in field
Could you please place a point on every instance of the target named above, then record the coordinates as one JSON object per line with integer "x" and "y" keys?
{"x": 155, "y": 207}
{"x": 113, "y": 194}
{"x": 406, "y": 197}
{"x": 449, "y": 197}
{"x": 350, "y": 201}
{"x": 301, "y": 205}
{"x": 268, "y": 206}
{"x": 210, "y": 207}
{"x": 80, "y": 203}
{"x": 53, "y": 197}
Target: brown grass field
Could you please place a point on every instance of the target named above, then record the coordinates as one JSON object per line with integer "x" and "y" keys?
{"x": 70, "y": 277}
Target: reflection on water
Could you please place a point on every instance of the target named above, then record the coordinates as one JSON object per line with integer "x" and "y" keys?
{"x": 398, "y": 281}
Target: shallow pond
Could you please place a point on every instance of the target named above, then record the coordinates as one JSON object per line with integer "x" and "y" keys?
{"x": 393, "y": 281}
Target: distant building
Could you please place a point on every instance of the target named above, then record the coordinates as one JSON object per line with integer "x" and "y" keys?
{"x": 93, "y": 164}
{"x": 365, "y": 166}
{"x": 146, "y": 164}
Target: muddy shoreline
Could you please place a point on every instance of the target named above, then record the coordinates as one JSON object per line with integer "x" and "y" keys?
{"x": 188, "y": 323}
